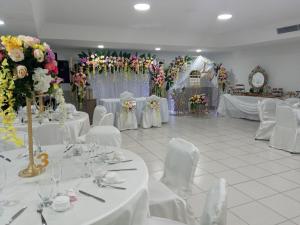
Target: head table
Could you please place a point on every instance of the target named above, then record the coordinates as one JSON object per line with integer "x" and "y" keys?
{"x": 78, "y": 126}
{"x": 126, "y": 207}
{"x": 113, "y": 106}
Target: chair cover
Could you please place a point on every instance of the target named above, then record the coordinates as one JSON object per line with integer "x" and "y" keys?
{"x": 99, "y": 112}
{"x": 151, "y": 115}
{"x": 7, "y": 146}
{"x": 267, "y": 113}
{"x": 49, "y": 134}
{"x": 286, "y": 134}
{"x": 215, "y": 208}
{"x": 126, "y": 119}
{"x": 103, "y": 135}
{"x": 126, "y": 94}
{"x": 292, "y": 101}
{"x": 180, "y": 165}
{"x": 161, "y": 221}
{"x": 70, "y": 108}
{"x": 107, "y": 120}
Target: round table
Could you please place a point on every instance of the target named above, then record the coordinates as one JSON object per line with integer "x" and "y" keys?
{"x": 78, "y": 126}
{"x": 126, "y": 207}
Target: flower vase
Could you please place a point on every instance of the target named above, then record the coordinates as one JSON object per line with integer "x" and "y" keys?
{"x": 32, "y": 170}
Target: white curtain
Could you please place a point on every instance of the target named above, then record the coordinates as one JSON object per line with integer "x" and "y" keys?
{"x": 112, "y": 85}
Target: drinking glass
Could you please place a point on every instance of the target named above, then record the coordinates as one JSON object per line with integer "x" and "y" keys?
{"x": 56, "y": 174}
{"x": 87, "y": 157}
{"x": 45, "y": 190}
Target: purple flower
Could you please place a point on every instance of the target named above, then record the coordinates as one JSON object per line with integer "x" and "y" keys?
{"x": 83, "y": 60}
{"x": 50, "y": 56}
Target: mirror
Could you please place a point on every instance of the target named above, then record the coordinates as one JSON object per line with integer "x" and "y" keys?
{"x": 258, "y": 78}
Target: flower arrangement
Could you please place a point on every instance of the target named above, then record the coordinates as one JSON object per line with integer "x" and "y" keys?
{"x": 27, "y": 67}
{"x": 129, "y": 105}
{"x": 197, "y": 100}
{"x": 79, "y": 83}
{"x": 222, "y": 77}
{"x": 158, "y": 78}
{"x": 154, "y": 104}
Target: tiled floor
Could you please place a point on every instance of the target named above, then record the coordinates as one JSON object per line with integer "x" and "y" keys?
{"x": 264, "y": 184}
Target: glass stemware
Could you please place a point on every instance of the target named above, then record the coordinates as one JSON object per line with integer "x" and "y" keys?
{"x": 56, "y": 174}
{"x": 45, "y": 191}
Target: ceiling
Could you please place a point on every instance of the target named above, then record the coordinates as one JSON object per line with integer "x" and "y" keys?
{"x": 173, "y": 25}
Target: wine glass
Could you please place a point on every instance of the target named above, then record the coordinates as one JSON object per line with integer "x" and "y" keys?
{"x": 45, "y": 190}
{"x": 87, "y": 157}
{"x": 2, "y": 183}
{"x": 56, "y": 174}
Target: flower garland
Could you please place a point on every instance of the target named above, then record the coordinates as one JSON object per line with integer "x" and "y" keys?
{"x": 79, "y": 83}
{"x": 27, "y": 67}
{"x": 158, "y": 78}
{"x": 222, "y": 77}
{"x": 197, "y": 100}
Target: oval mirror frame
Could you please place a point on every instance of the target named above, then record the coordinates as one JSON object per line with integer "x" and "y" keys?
{"x": 258, "y": 78}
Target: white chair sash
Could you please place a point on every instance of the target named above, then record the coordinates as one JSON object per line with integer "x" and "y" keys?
{"x": 151, "y": 115}
{"x": 126, "y": 119}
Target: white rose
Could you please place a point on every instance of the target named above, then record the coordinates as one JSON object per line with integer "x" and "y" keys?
{"x": 21, "y": 71}
{"x": 39, "y": 55}
{"x": 28, "y": 41}
{"x": 41, "y": 80}
{"x": 16, "y": 54}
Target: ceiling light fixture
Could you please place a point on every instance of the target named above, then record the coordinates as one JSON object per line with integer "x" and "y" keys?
{"x": 225, "y": 16}
{"x": 141, "y": 6}
{"x": 157, "y": 49}
{"x": 2, "y": 22}
{"x": 198, "y": 50}
{"x": 100, "y": 46}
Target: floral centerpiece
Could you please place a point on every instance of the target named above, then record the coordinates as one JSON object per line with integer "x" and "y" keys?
{"x": 129, "y": 105}
{"x": 158, "y": 78}
{"x": 28, "y": 68}
{"x": 222, "y": 77}
{"x": 79, "y": 84}
{"x": 198, "y": 100}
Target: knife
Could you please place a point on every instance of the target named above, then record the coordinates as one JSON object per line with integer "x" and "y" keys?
{"x": 16, "y": 215}
{"x": 5, "y": 158}
{"x": 115, "y": 170}
{"x": 124, "y": 161}
{"x": 92, "y": 196}
{"x": 68, "y": 148}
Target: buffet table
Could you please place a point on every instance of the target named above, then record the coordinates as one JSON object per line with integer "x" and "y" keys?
{"x": 78, "y": 126}
{"x": 236, "y": 106}
{"x": 126, "y": 207}
{"x": 113, "y": 106}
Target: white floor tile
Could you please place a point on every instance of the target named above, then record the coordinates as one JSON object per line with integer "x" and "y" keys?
{"x": 253, "y": 172}
{"x": 277, "y": 183}
{"x": 232, "y": 177}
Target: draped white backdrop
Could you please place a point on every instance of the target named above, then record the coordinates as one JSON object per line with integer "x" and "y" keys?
{"x": 112, "y": 85}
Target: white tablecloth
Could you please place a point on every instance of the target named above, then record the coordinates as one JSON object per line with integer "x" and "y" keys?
{"x": 79, "y": 125}
{"x": 122, "y": 207}
{"x": 239, "y": 106}
{"x": 113, "y": 105}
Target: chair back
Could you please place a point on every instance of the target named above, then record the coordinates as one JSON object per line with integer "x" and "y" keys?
{"x": 107, "y": 120}
{"x": 150, "y": 100}
{"x": 52, "y": 134}
{"x": 286, "y": 117}
{"x": 267, "y": 109}
{"x": 215, "y": 208}
{"x": 180, "y": 165}
{"x": 126, "y": 94}
{"x": 292, "y": 101}
{"x": 99, "y": 112}
{"x": 70, "y": 108}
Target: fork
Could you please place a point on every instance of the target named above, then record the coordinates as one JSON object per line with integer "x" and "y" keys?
{"x": 40, "y": 211}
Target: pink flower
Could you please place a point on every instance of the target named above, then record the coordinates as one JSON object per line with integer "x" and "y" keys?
{"x": 52, "y": 67}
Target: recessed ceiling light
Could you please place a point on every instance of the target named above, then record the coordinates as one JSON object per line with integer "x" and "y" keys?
{"x": 225, "y": 16}
{"x": 157, "y": 49}
{"x": 141, "y": 6}
{"x": 198, "y": 50}
{"x": 2, "y": 22}
{"x": 100, "y": 46}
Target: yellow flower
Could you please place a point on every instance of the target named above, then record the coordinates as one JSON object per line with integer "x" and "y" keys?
{"x": 39, "y": 46}
{"x": 11, "y": 42}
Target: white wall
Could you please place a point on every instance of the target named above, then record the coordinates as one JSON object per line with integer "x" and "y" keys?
{"x": 280, "y": 60}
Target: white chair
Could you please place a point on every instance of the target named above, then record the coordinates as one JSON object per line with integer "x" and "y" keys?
{"x": 126, "y": 94}
{"x": 107, "y": 120}
{"x": 70, "y": 108}
{"x": 292, "y": 101}
{"x": 167, "y": 197}
{"x": 103, "y": 135}
{"x": 267, "y": 114}
{"x": 215, "y": 208}
{"x": 126, "y": 119}
{"x": 151, "y": 115}
{"x": 7, "y": 146}
{"x": 99, "y": 112}
{"x": 52, "y": 134}
{"x": 286, "y": 134}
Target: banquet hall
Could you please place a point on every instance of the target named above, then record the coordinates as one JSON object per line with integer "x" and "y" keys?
{"x": 148, "y": 112}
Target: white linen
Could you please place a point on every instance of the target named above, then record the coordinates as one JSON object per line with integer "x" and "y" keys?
{"x": 70, "y": 108}
{"x": 239, "y": 106}
{"x": 103, "y": 135}
{"x": 161, "y": 221}
{"x": 78, "y": 126}
{"x": 99, "y": 112}
{"x": 6, "y": 145}
{"x": 151, "y": 117}
{"x": 215, "y": 207}
{"x": 292, "y": 101}
{"x": 113, "y": 106}
{"x": 267, "y": 113}
{"x": 126, "y": 120}
{"x": 286, "y": 134}
{"x": 122, "y": 207}
{"x": 107, "y": 120}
